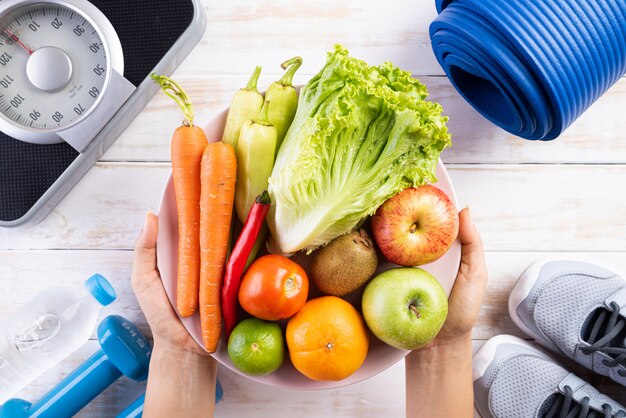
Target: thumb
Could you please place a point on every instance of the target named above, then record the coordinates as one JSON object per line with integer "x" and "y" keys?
{"x": 144, "y": 258}
{"x": 469, "y": 236}
{"x": 471, "y": 280}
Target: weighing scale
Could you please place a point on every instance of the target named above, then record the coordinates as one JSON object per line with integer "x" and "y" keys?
{"x": 73, "y": 75}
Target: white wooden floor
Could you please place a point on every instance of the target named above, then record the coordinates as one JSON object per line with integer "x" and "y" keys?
{"x": 566, "y": 197}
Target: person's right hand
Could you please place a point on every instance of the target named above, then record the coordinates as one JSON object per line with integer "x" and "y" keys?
{"x": 181, "y": 380}
{"x": 168, "y": 332}
{"x": 469, "y": 288}
{"x": 439, "y": 375}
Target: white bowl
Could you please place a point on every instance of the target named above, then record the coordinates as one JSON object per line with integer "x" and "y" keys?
{"x": 380, "y": 356}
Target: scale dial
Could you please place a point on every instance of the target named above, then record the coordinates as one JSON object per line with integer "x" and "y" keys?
{"x": 53, "y": 66}
{"x": 57, "y": 60}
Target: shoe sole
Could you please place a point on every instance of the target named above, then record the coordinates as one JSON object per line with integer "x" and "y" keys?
{"x": 487, "y": 353}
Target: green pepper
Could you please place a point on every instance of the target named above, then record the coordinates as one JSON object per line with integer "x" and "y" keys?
{"x": 258, "y": 245}
{"x": 246, "y": 105}
{"x": 255, "y": 159}
{"x": 284, "y": 98}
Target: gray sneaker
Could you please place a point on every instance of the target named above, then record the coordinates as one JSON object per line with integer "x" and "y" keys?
{"x": 514, "y": 379}
{"x": 577, "y": 309}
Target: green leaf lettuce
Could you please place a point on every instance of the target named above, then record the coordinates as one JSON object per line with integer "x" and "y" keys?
{"x": 361, "y": 134}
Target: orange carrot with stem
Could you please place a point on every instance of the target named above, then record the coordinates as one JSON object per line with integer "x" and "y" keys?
{"x": 218, "y": 176}
{"x": 188, "y": 145}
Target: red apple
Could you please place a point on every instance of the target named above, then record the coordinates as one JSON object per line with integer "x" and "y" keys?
{"x": 416, "y": 226}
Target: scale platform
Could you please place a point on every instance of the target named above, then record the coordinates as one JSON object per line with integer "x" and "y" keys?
{"x": 155, "y": 35}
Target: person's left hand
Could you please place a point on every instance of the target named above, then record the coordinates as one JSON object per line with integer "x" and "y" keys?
{"x": 168, "y": 332}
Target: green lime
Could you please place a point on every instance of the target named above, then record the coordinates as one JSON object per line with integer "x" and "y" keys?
{"x": 256, "y": 347}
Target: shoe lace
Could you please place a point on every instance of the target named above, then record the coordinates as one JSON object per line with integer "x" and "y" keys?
{"x": 566, "y": 407}
{"x": 611, "y": 323}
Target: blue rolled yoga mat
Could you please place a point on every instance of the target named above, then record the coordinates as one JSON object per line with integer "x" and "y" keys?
{"x": 531, "y": 67}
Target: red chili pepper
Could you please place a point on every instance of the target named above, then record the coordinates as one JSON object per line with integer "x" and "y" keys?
{"x": 238, "y": 258}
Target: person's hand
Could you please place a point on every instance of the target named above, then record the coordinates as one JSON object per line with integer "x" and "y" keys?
{"x": 182, "y": 375}
{"x": 469, "y": 287}
{"x": 439, "y": 375}
{"x": 168, "y": 332}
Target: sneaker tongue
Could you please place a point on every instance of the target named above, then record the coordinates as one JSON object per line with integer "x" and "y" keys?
{"x": 592, "y": 320}
{"x": 547, "y": 404}
{"x": 563, "y": 404}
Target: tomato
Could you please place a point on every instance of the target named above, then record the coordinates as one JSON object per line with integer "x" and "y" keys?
{"x": 273, "y": 288}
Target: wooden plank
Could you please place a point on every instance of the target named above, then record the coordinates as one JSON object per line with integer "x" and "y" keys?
{"x": 518, "y": 207}
{"x": 382, "y": 395}
{"x": 24, "y": 273}
{"x": 266, "y": 32}
{"x": 21, "y": 273}
{"x": 545, "y": 207}
{"x": 105, "y": 210}
{"x": 595, "y": 138}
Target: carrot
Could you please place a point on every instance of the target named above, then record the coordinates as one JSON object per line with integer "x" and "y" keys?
{"x": 218, "y": 176}
{"x": 188, "y": 144}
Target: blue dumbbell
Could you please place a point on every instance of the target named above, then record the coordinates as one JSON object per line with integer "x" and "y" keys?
{"x": 125, "y": 351}
{"x": 135, "y": 410}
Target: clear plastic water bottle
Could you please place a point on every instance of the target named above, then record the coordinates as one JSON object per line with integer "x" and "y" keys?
{"x": 41, "y": 333}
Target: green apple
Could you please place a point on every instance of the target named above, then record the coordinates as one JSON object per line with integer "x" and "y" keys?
{"x": 405, "y": 307}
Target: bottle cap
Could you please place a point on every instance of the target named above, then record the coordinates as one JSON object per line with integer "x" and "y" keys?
{"x": 101, "y": 289}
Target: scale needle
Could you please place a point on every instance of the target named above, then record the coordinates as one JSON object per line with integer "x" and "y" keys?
{"x": 20, "y": 43}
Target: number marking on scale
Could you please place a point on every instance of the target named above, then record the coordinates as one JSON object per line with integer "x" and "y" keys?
{"x": 63, "y": 62}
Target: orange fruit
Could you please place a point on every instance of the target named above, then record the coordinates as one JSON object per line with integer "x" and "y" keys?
{"x": 327, "y": 339}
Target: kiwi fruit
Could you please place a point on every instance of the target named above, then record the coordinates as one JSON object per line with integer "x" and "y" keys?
{"x": 345, "y": 264}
